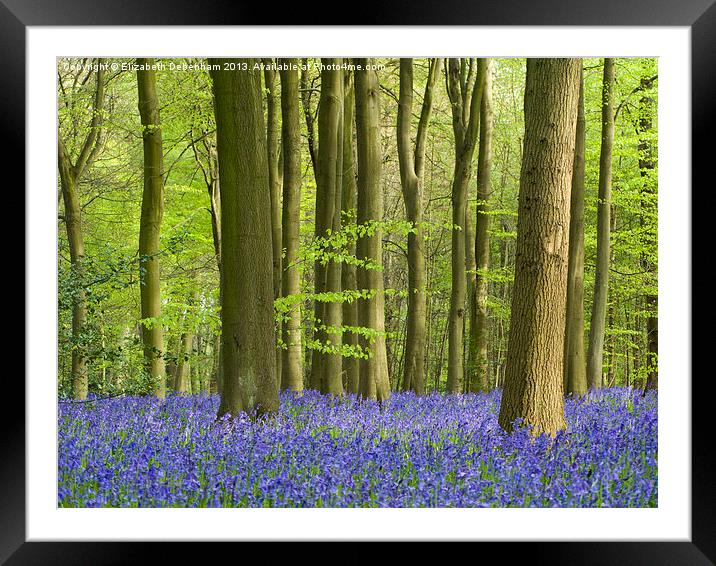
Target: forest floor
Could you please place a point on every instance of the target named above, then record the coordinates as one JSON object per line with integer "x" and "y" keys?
{"x": 432, "y": 451}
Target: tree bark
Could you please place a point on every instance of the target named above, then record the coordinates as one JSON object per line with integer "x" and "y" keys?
{"x": 575, "y": 368}
{"x": 477, "y": 352}
{"x": 325, "y": 361}
{"x": 374, "y": 379}
{"x": 465, "y": 105}
{"x": 595, "y": 354}
{"x": 292, "y": 373}
{"x": 150, "y": 225}
{"x": 273, "y": 128}
{"x": 351, "y": 364}
{"x": 412, "y": 166}
{"x": 534, "y": 370}
{"x": 247, "y": 313}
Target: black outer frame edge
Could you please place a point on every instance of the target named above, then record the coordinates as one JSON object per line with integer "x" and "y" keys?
{"x": 697, "y": 14}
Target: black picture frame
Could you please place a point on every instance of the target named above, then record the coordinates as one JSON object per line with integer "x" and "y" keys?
{"x": 699, "y": 15}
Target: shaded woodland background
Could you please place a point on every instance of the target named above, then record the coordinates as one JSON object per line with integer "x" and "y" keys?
{"x": 105, "y": 160}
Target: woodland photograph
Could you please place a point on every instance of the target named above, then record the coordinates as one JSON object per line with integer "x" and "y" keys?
{"x": 357, "y": 282}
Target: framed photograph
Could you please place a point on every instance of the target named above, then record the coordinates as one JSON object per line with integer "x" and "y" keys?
{"x": 138, "y": 104}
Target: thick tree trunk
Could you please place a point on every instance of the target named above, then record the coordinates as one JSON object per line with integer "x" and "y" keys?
{"x": 248, "y": 331}
{"x": 292, "y": 372}
{"x": 411, "y": 176}
{"x": 351, "y": 364}
{"x": 595, "y": 355}
{"x": 534, "y": 373}
{"x": 326, "y": 360}
{"x": 273, "y": 129}
{"x": 150, "y": 225}
{"x": 477, "y": 357}
{"x": 374, "y": 379}
{"x": 575, "y": 368}
{"x": 465, "y": 105}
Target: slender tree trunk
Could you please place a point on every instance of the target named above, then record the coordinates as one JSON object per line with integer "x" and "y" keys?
{"x": 649, "y": 208}
{"x": 308, "y": 115}
{"x": 292, "y": 373}
{"x": 595, "y": 354}
{"x": 534, "y": 373}
{"x": 351, "y": 365}
{"x": 248, "y": 334}
{"x": 152, "y": 212}
{"x": 330, "y": 111}
{"x": 273, "y": 129}
{"x": 411, "y": 175}
{"x": 374, "y": 379}
{"x": 465, "y": 105}
{"x": 477, "y": 359}
{"x": 575, "y": 368}
{"x": 73, "y": 224}
{"x": 70, "y": 176}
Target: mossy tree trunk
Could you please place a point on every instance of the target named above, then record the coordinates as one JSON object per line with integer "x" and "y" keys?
{"x": 351, "y": 364}
{"x": 374, "y": 378}
{"x": 477, "y": 347}
{"x": 595, "y": 354}
{"x": 150, "y": 226}
{"x": 534, "y": 369}
{"x": 465, "y": 93}
{"x": 247, "y": 313}
{"x": 412, "y": 165}
{"x": 325, "y": 360}
{"x": 292, "y": 360}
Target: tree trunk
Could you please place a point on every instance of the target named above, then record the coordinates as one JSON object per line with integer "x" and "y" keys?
{"x": 325, "y": 360}
{"x": 150, "y": 225}
{"x": 411, "y": 176}
{"x": 465, "y": 105}
{"x": 273, "y": 128}
{"x": 535, "y": 356}
{"x": 308, "y": 115}
{"x": 595, "y": 354}
{"x": 649, "y": 209}
{"x": 374, "y": 379}
{"x": 575, "y": 368}
{"x": 351, "y": 365}
{"x": 70, "y": 176}
{"x": 248, "y": 331}
{"x": 477, "y": 359}
{"x": 292, "y": 373}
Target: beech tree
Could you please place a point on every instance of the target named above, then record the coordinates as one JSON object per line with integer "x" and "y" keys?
{"x": 70, "y": 176}
{"x": 326, "y": 361}
{"x": 292, "y": 359}
{"x": 575, "y": 369}
{"x": 465, "y": 83}
{"x": 150, "y": 225}
{"x": 534, "y": 371}
{"x": 273, "y": 128}
{"x": 477, "y": 349}
{"x": 595, "y": 354}
{"x": 374, "y": 381}
{"x": 247, "y": 312}
{"x": 351, "y": 364}
{"x": 412, "y": 166}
